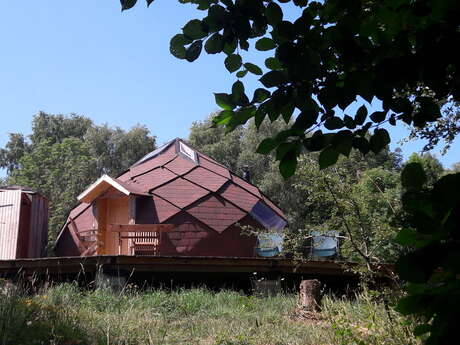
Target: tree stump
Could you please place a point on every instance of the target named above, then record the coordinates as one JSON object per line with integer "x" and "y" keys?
{"x": 310, "y": 297}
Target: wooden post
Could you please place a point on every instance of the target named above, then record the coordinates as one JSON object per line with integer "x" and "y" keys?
{"x": 310, "y": 297}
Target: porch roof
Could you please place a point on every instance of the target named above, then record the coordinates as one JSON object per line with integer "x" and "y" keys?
{"x": 103, "y": 184}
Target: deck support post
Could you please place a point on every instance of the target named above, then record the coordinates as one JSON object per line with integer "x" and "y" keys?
{"x": 113, "y": 280}
{"x": 310, "y": 296}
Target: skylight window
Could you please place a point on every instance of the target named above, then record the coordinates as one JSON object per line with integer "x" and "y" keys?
{"x": 187, "y": 151}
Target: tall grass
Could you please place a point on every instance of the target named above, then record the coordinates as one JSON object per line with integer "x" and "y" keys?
{"x": 64, "y": 314}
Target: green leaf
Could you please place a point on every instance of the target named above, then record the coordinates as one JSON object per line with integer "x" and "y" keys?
{"x": 214, "y": 44}
{"x": 328, "y": 157}
{"x": 176, "y": 45}
{"x": 230, "y": 46}
{"x": 361, "y": 144}
{"x": 305, "y": 120}
{"x": 378, "y": 116}
{"x": 274, "y": 13}
{"x": 223, "y": 117}
{"x": 422, "y": 329}
{"x": 254, "y": 69}
{"x": 240, "y": 117}
{"x": 406, "y": 237}
{"x": 266, "y": 146}
{"x": 241, "y": 74}
{"x": 194, "y": 29}
{"x": 265, "y": 44}
{"x": 272, "y": 78}
{"x": 413, "y": 176}
{"x": 237, "y": 90}
{"x": 349, "y": 122}
{"x": 224, "y": 101}
{"x": 333, "y": 123}
{"x": 260, "y": 95}
{"x": 288, "y": 164}
{"x": 127, "y": 4}
{"x": 193, "y": 51}
{"x": 379, "y": 140}
{"x": 342, "y": 142}
{"x": 273, "y": 64}
{"x": 233, "y": 62}
{"x": 361, "y": 115}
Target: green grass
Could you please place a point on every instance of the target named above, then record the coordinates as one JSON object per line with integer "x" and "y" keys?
{"x": 67, "y": 315}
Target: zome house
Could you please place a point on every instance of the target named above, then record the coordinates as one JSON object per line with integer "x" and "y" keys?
{"x": 175, "y": 201}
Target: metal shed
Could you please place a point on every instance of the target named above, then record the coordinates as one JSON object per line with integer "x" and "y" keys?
{"x": 23, "y": 223}
{"x": 174, "y": 201}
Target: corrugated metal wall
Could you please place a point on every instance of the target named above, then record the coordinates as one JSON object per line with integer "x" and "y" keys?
{"x": 10, "y": 204}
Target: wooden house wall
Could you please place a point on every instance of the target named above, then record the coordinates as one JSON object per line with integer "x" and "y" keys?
{"x": 24, "y": 230}
{"x": 23, "y": 224}
{"x": 38, "y": 226}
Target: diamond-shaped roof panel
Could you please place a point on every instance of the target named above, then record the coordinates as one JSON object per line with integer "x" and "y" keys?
{"x": 180, "y": 165}
{"x": 163, "y": 158}
{"x": 206, "y": 178}
{"x": 247, "y": 186}
{"x": 213, "y": 166}
{"x": 238, "y": 196}
{"x": 164, "y": 209}
{"x": 180, "y": 192}
{"x": 216, "y": 212}
{"x": 154, "y": 178}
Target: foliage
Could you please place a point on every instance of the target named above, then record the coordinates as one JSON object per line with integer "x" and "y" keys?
{"x": 215, "y": 142}
{"x": 322, "y": 56}
{"x": 431, "y": 165}
{"x": 358, "y": 200}
{"x": 64, "y": 314}
{"x": 370, "y": 180}
{"x": 443, "y": 130}
{"x": 64, "y": 154}
{"x": 432, "y": 266}
{"x": 116, "y": 150}
{"x": 14, "y": 149}
{"x": 59, "y": 171}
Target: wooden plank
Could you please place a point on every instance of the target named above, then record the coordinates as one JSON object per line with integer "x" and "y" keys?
{"x": 74, "y": 233}
{"x": 91, "y": 250}
{"x": 179, "y": 264}
{"x": 140, "y": 227}
{"x": 132, "y": 209}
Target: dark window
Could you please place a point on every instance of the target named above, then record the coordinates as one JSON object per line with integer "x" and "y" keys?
{"x": 145, "y": 210}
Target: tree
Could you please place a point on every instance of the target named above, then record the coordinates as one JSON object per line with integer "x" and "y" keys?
{"x": 359, "y": 200}
{"x": 115, "y": 150}
{"x": 15, "y": 148}
{"x": 60, "y": 171}
{"x": 64, "y": 154}
{"x": 431, "y": 165}
{"x": 303, "y": 197}
{"x": 217, "y": 143}
{"x": 431, "y": 265}
{"x": 320, "y": 61}
{"x": 56, "y": 128}
{"x": 444, "y": 130}
{"x": 455, "y": 168}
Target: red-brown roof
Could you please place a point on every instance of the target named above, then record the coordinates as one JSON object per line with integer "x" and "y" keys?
{"x": 192, "y": 182}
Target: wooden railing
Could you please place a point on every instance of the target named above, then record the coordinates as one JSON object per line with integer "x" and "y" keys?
{"x": 143, "y": 239}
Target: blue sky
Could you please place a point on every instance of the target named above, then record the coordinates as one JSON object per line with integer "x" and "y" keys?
{"x": 87, "y": 57}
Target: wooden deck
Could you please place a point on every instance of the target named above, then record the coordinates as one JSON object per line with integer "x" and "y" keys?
{"x": 65, "y": 265}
